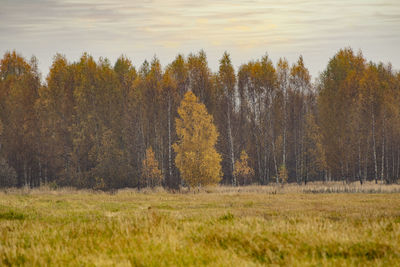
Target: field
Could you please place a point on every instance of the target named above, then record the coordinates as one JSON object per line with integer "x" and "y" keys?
{"x": 247, "y": 226}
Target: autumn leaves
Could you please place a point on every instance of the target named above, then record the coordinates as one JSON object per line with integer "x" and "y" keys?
{"x": 197, "y": 159}
{"x": 90, "y": 123}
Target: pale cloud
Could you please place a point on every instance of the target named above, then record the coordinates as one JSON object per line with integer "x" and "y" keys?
{"x": 169, "y": 44}
{"x": 246, "y": 28}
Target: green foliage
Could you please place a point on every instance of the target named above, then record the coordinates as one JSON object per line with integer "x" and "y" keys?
{"x": 227, "y": 217}
{"x": 11, "y": 215}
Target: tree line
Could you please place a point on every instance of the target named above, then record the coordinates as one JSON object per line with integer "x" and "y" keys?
{"x": 92, "y": 124}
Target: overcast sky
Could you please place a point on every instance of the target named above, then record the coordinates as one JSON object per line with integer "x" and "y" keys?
{"x": 247, "y": 29}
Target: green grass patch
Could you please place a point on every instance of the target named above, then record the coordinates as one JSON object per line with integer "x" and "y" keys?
{"x": 11, "y": 215}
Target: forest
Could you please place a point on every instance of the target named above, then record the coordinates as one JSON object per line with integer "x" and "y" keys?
{"x": 94, "y": 124}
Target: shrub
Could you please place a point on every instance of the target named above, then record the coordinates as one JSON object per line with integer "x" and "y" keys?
{"x": 283, "y": 174}
{"x": 243, "y": 172}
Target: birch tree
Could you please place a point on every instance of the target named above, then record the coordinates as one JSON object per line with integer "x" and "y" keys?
{"x": 197, "y": 159}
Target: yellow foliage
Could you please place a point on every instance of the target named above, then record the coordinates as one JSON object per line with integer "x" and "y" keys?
{"x": 283, "y": 174}
{"x": 196, "y": 159}
{"x": 151, "y": 174}
{"x": 243, "y": 171}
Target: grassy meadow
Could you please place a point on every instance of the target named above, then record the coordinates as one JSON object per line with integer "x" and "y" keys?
{"x": 247, "y": 226}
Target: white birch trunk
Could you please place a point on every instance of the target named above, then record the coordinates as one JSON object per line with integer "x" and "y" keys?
{"x": 232, "y": 154}
{"x": 374, "y": 147}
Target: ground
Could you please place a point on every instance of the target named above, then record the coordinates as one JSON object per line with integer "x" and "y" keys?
{"x": 218, "y": 227}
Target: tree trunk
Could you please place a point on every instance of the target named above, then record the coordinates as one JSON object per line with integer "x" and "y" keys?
{"x": 267, "y": 175}
{"x": 366, "y": 161}
{"x": 302, "y": 163}
{"x": 169, "y": 140}
{"x": 295, "y": 157}
{"x": 383, "y": 151}
{"x": 45, "y": 175}
{"x": 374, "y": 147}
{"x": 40, "y": 174}
{"x": 398, "y": 162}
{"x": 359, "y": 161}
{"x": 25, "y": 175}
{"x": 393, "y": 163}
{"x": 258, "y": 160}
{"x": 30, "y": 180}
{"x": 284, "y": 127}
{"x": 231, "y": 150}
{"x": 275, "y": 163}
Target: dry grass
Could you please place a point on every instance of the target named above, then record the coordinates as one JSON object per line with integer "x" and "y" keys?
{"x": 313, "y": 187}
{"x": 256, "y": 226}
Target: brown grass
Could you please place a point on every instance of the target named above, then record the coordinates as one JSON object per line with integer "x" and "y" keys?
{"x": 246, "y": 226}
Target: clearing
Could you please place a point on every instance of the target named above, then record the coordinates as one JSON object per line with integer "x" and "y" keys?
{"x": 221, "y": 227}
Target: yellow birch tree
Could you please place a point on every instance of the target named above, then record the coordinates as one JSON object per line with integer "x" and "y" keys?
{"x": 196, "y": 157}
{"x": 151, "y": 174}
{"x": 243, "y": 172}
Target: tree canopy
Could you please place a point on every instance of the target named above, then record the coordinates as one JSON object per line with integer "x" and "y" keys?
{"x": 88, "y": 123}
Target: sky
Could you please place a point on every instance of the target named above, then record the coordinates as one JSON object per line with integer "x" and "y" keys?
{"x": 247, "y": 29}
